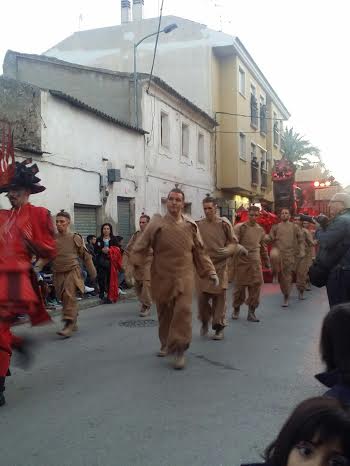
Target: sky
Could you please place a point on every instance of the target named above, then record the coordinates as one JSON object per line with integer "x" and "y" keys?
{"x": 302, "y": 47}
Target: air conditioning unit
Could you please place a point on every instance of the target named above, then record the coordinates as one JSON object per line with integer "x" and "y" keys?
{"x": 113, "y": 175}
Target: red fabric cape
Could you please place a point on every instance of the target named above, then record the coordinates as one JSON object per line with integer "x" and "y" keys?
{"x": 116, "y": 265}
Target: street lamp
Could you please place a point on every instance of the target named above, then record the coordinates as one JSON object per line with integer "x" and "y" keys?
{"x": 166, "y": 30}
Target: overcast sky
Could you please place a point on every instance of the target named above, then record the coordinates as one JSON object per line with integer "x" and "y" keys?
{"x": 302, "y": 46}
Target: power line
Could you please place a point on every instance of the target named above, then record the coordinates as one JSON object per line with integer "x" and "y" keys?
{"x": 250, "y": 116}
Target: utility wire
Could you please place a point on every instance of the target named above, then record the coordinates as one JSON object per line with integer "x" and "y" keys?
{"x": 250, "y": 116}
{"x": 156, "y": 45}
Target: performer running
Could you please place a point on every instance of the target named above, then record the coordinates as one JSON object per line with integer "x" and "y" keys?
{"x": 142, "y": 273}
{"x": 288, "y": 244}
{"x": 248, "y": 269}
{"x": 68, "y": 279}
{"x": 25, "y": 231}
{"x": 177, "y": 248}
{"x": 303, "y": 263}
{"x": 220, "y": 243}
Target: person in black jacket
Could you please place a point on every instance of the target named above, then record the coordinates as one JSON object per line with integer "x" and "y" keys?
{"x": 316, "y": 434}
{"x": 335, "y": 353}
{"x": 103, "y": 243}
{"x": 334, "y": 250}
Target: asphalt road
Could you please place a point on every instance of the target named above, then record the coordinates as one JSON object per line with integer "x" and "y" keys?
{"x": 102, "y": 398}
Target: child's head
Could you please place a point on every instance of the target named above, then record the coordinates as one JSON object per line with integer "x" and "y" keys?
{"x": 316, "y": 434}
{"x": 335, "y": 340}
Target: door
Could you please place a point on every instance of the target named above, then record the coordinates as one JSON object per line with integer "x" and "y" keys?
{"x": 85, "y": 220}
{"x": 125, "y": 227}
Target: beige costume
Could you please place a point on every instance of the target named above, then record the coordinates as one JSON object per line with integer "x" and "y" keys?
{"x": 141, "y": 273}
{"x": 67, "y": 274}
{"x": 248, "y": 269}
{"x": 216, "y": 235}
{"x": 177, "y": 247}
{"x": 304, "y": 263}
{"x": 288, "y": 244}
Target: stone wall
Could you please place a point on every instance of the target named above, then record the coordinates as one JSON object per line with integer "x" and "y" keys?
{"x": 20, "y": 106}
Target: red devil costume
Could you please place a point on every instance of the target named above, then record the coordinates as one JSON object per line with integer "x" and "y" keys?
{"x": 25, "y": 231}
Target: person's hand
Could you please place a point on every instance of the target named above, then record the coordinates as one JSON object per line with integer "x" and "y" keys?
{"x": 214, "y": 279}
{"x": 223, "y": 252}
{"x": 242, "y": 251}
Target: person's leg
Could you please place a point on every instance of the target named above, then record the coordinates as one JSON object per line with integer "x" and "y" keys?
{"x": 70, "y": 307}
{"x": 239, "y": 293}
{"x": 205, "y": 312}
{"x": 301, "y": 276}
{"x": 145, "y": 298}
{"x": 180, "y": 331}
{"x": 219, "y": 315}
{"x": 165, "y": 313}
{"x": 5, "y": 356}
{"x": 253, "y": 301}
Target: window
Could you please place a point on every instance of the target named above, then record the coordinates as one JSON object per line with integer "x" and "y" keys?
{"x": 201, "y": 154}
{"x": 276, "y": 132}
{"x": 242, "y": 146}
{"x": 263, "y": 154}
{"x": 164, "y": 130}
{"x": 253, "y": 108}
{"x": 241, "y": 83}
{"x": 252, "y": 150}
{"x": 185, "y": 144}
{"x": 264, "y": 169}
{"x": 263, "y": 116}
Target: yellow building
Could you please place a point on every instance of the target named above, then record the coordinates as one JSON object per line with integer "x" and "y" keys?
{"x": 250, "y": 117}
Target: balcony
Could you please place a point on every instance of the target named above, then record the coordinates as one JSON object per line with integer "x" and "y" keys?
{"x": 264, "y": 179}
{"x": 255, "y": 172}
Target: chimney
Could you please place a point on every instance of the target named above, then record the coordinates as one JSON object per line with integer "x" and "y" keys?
{"x": 137, "y": 10}
{"x": 126, "y": 11}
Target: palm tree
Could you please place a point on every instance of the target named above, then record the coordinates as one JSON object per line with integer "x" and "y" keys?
{"x": 299, "y": 151}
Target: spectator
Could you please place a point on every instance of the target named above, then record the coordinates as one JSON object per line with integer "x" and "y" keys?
{"x": 335, "y": 353}
{"x": 333, "y": 257}
{"x": 316, "y": 434}
{"x": 90, "y": 246}
{"x": 107, "y": 281}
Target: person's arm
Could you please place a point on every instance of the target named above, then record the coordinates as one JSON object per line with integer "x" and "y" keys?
{"x": 335, "y": 232}
{"x": 141, "y": 248}
{"x": 264, "y": 252}
{"x": 272, "y": 236}
{"x": 201, "y": 260}
{"x": 42, "y": 242}
{"x": 85, "y": 256}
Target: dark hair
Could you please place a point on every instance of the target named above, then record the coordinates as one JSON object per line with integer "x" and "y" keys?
{"x": 209, "y": 200}
{"x": 110, "y": 227}
{"x": 325, "y": 419}
{"x": 335, "y": 340}
{"x": 178, "y": 191}
{"x": 63, "y": 213}
{"x": 253, "y": 208}
{"x": 147, "y": 217}
{"x": 90, "y": 237}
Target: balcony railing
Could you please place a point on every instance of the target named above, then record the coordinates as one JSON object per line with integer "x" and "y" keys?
{"x": 255, "y": 172}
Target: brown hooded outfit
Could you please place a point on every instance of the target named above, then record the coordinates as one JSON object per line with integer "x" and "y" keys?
{"x": 248, "y": 269}
{"x": 287, "y": 246}
{"x": 67, "y": 273}
{"x": 304, "y": 263}
{"x": 177, "y": 249}
{"x": 216, "y": 235}
{"x": 141, "y": 273}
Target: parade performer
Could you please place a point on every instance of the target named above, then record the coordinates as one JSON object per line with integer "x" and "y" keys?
{"x": 25, "y": 231}
{"x": 287, "y": 246}
{"x": 303, "y": 263}
{"x": 68, "y": 279}
{"x": 220, "y": 243}
{"x": 177, "y": 248}
{"x": 248, "y": 274}
{"x": 140, "y": 274}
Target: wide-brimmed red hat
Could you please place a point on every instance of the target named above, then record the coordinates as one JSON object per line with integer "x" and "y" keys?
{"x": 14, "y": 175}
